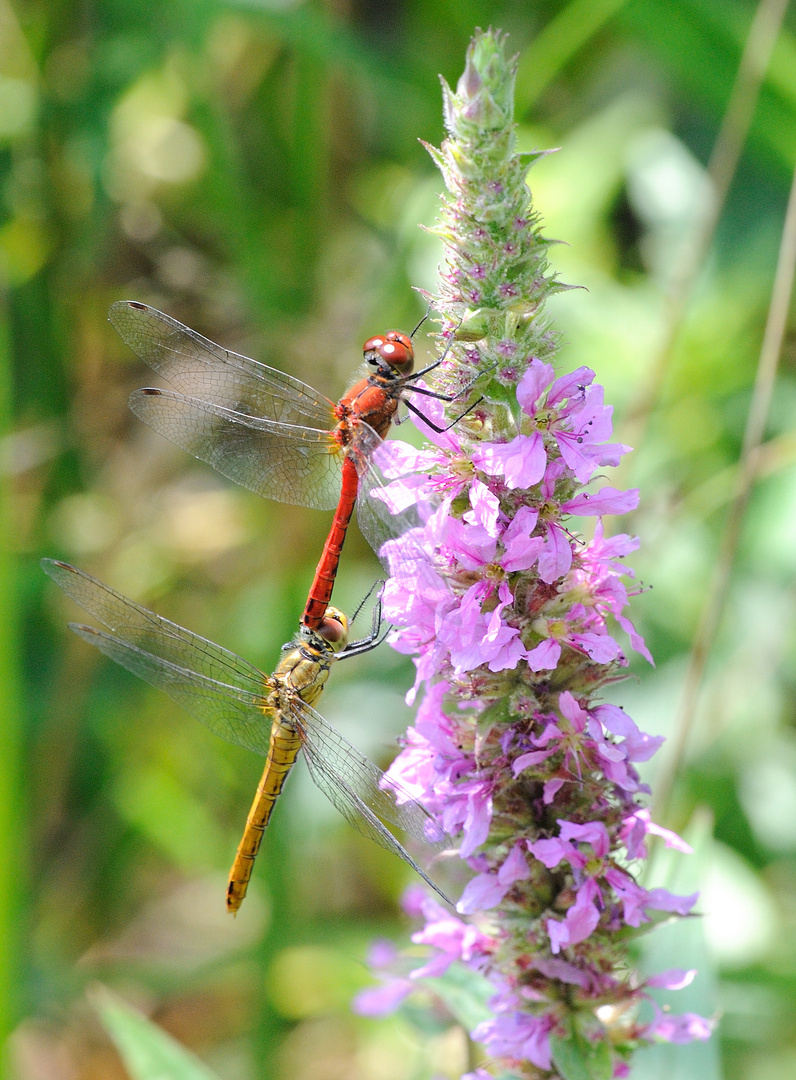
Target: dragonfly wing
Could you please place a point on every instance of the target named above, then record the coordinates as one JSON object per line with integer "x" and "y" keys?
{"x": 233, "y": 714}
{"x": 218, "y": 687}
{"x": 199, "y": 368}
{"x": 296, "y": 465}
{"x": 361, "y": 791}
{"x": 382, "y": 514}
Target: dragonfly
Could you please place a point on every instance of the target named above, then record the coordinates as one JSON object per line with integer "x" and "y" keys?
{"x": 273, "y": 433}
{"x": 272, "y": 715}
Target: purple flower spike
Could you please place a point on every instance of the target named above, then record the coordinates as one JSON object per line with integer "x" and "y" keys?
{"x": 517, "y": 626}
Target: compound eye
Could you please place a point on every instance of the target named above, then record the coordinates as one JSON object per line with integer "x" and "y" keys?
{"x": 393, "y": 348}
{"x": 372, "y": 349}
{"x": 334, "y": 628}
{"x": 402, "y": 353}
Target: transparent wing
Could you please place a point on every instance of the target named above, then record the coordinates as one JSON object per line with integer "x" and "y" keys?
{"x": 296, "y": 465}
{"x": 361, "y": 791}
{"x": 233, "y": 714}
{"x": 201, "y": 369}
{"x": 380, "y": 517}
{"x": 228, "y": 696}
{"x": 216, "y": 686}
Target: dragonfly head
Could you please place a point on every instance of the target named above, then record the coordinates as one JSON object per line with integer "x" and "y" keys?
{"x": 333, "y": 630}
{"x": 391, "y": 353}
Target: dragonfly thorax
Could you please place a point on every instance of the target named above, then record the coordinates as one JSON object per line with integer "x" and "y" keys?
{"x": 302, "y": 672}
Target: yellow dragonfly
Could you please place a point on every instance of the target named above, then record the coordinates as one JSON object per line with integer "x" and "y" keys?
{"x": 269, "y": 714}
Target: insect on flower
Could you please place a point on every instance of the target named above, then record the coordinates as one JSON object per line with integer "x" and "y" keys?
{"x": 270, "y": 432}
{"x": 269, "y": 714}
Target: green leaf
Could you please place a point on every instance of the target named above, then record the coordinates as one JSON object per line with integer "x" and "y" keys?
{"x": 577, "y": 1059}
{"x": 146, "y": 1050}
{"x": 572, "y": 28}
{"x": 491, "y": 716}
{"x": 12, "y": 785}
{"x": 466, "y": 994}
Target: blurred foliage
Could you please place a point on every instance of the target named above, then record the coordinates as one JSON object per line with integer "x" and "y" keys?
{"x": 253, "y": 169}
{"x": 146, "y": 1050}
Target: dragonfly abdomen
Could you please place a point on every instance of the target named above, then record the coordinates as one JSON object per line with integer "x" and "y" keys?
{"x": 326, "y": 570}
{"x": 283, "y": 749}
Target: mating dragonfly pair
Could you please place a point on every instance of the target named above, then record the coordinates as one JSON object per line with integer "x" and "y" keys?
{"x": 280, "y": 438}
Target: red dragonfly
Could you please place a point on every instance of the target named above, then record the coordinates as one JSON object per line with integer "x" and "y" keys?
{"x": 270, "y": 432}
{"x": 272, "y": 715}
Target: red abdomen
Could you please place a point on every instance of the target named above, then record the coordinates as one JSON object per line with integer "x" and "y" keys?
{"x": 326, "y": 570}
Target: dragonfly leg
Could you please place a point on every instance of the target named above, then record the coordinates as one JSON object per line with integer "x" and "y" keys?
{"x": 436, "y": 427}
{"x": 374, "y": 638}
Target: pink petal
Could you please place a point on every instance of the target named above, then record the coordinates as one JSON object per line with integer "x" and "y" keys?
{"x": 481, "y": 894}
{"x": 532, "y": 384}
{"x": 673, "y": 979}
{"x": 524, "y": 761}
{"x": 566, "y": 385}
{"x": 544, "y": 656}
{"x": 556, "y": 559}
{"x": 607, "y": 500}
{"x": 515, "y": 867}
{"x": 521, "y": 462}
{"x": 384, "y": 999}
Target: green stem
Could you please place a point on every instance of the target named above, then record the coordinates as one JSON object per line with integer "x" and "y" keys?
{"x": 11, "y": 872}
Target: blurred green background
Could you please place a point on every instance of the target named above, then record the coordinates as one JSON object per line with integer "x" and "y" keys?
{"x": 254, "y": 169}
